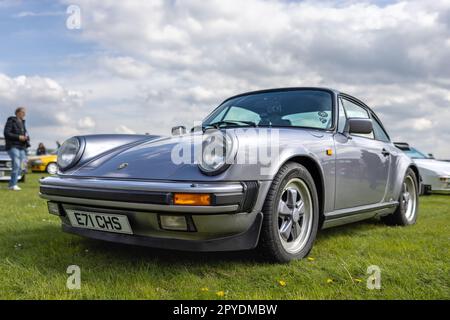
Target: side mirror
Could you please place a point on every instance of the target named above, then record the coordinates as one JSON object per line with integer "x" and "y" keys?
{"x": 178, "y": 130}
{"x": 431, "y": 156}
{"x": 358, "y": 126}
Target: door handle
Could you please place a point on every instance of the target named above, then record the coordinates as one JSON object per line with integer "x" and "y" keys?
{"x": 385, "y": 152}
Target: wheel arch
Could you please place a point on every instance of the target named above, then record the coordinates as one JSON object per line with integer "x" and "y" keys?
{"x": 317, "y": 174}
{"x": 414, "y": 168}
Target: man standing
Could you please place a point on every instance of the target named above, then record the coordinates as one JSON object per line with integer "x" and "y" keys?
{"x": 17, "y": 141}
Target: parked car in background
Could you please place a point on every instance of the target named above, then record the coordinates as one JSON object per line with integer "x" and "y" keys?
{"x": 6, "y": 164}
{"x": 45, "y": 163}
{"x": 336, "y": 165}
{"x": 435, "y": 173}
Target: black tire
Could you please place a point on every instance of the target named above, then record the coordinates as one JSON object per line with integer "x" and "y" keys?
{"x": 399, "y": 217}
{"x": 426, "y": 191}
{"x": 270, "y": 246}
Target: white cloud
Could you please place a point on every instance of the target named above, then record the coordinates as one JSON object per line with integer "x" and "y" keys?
{"x": 51, "y": 108}
{"x": 24, "y": 14}
{"x": 126, "y": 67}
{"x": 86, "y": 123}
{"x": 40, "y": 90}
{"x": 122, "y": 129}
{"x": 422, "y": 124}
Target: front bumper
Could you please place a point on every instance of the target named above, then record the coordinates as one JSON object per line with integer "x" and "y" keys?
{"x": 38, "y": 168}
{"x": 5, "y": 174}
{"x": 435, "y": 184}
{"x": 231, "y": 222}
{"x": 243, "y": 241}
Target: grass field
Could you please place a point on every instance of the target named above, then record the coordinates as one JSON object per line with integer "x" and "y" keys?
{"x": 34, "y": 256}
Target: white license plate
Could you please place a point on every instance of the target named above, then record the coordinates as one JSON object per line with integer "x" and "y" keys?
{"x": 99, "y": 221}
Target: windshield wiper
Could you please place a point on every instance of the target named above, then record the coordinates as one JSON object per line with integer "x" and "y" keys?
{"x": 218, "y": 124}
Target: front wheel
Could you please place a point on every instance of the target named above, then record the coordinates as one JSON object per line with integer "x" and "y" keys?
{"x": 291, "y": 215}
{"x": 408, "y": 208}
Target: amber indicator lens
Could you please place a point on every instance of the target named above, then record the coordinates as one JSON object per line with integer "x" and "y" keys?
{"x": 192, "y": 199}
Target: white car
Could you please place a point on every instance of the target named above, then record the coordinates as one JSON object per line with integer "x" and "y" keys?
{"x": 6, "y": 164}
{"x": 435, "y": 174}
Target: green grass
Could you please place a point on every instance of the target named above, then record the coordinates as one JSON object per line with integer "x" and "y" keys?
{"x": 414, "y": 261}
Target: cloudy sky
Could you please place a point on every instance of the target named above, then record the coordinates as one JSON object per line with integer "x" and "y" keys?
{"x": 145, "y": 66}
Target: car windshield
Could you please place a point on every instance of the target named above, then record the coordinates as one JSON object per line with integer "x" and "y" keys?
{"x": 294, "y": 108}
{"x": 416, "y": 154}
{"x": 2, "y": 144}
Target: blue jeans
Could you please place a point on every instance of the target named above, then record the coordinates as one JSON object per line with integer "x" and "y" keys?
{"x": 18, "y": 157}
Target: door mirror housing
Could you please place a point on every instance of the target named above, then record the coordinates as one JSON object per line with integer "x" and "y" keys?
{"x": 178, "y": 130}
{"x": 358, "y": 126}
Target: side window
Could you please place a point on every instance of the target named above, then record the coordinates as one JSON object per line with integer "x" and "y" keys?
{"x": 355, "y": 111}
{"x": 379, "y": 132}
{"x": 342, "y": 117}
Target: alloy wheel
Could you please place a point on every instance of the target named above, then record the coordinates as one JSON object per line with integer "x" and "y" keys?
{"x": 295, "y": 215}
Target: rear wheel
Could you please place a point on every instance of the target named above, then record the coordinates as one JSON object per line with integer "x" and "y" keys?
{"x": 408, "y": 208}
{"x": 52, "y": 168}
{"x": 291, "y": 215}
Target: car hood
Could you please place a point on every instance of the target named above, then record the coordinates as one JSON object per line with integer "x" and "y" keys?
{"x": 148, "y": 160}
{"x": 440, "y": 167}
{"x": 152, "y": 160}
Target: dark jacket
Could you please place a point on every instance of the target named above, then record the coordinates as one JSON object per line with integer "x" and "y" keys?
{"x": 41, "y": 151}
{"x": 13, "y": 129}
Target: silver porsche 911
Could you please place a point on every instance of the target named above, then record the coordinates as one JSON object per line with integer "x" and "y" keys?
{"x": 264, "y": 170}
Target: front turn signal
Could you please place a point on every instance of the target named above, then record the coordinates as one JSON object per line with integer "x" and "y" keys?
{"x": 192, "y": 199}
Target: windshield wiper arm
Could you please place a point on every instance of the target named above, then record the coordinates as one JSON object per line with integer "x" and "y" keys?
{"x": 230, "y": 122}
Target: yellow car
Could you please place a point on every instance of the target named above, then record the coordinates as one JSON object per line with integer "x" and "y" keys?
{"x": 44, "y": 163}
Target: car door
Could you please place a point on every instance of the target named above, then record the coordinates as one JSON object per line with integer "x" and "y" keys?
{"x": 362, "y": 162}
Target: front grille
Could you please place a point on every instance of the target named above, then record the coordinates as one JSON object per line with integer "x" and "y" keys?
{"x": 5, "y": 164}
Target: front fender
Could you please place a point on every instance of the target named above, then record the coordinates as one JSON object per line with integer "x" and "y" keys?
{"x": 401, "y": 163}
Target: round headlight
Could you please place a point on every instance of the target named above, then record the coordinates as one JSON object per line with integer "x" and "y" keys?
{"x": 68, "y": 154}
{"x": 8, "y": 164}
{"x": 218, "y": 152}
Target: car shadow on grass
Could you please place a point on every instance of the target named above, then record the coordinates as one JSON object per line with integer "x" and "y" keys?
{"x": 171, "y": 257}
{"x": 167, "y": 256}
{"x": 350, "y": 229}
{"x": 49, "y": 241}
